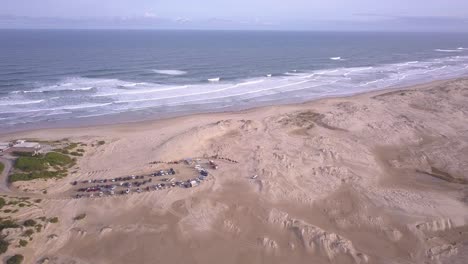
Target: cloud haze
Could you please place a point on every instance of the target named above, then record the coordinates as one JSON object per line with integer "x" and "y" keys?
{"x": 396, "y": 15}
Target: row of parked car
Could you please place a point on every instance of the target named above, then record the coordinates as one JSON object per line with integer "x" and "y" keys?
{"x": 171, "y": 171}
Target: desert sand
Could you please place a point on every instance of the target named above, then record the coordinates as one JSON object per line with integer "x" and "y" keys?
{"x": 379, "y": 177}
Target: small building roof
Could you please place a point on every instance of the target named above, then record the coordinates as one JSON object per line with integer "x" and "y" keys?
{"x": 27, "y": 145}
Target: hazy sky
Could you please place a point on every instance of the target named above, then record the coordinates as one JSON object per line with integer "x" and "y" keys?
{"x": 424, "y": 15}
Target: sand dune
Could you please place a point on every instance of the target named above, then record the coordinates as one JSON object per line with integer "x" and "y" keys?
{"x": 373, "y": 178}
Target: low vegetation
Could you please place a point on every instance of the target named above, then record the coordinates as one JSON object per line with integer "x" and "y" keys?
{"x": 3, "y": 245}
{"x": 7, "y": 223}
{"x": 28, "y": 233}
{"x": 101, "y": 142}
{"x": 50, "y": 165}
{"x": 29, "y": 222}
{"x": 79, "y": 217}
{"x": 2, "y": 167}
{"x": 2, "y": 202}
{"x": 23, "y": 243}
{"x": 16, "y": 259}
{"x": 54, "y": 220}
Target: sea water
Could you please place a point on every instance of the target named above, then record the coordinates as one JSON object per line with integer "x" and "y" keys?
{"x": 57, "y": 77}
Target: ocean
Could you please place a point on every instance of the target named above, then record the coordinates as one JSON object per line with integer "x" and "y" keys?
{"x": 52, "y": 78}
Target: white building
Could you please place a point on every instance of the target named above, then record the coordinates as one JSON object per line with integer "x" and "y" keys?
{"x": 31, "y": 147}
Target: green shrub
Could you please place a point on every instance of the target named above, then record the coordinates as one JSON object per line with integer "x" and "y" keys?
{"x": 54, "y": 220}
{"x": 38, "y": 228}
{"x": 23, "y": 243}
{"x": 7, "y": 211}
{"x": 16, "y": 259}
{"x": 101, "y": 142}
{"x": 3, "y": 245}
{"x": 74, "y": 153}
{"x": 29, "y": 222}
{"x": 38, "y": 200}
{"x": 2, "y": 167}
{"x": 28, "y": 233}
{"x": 2, "y": 202}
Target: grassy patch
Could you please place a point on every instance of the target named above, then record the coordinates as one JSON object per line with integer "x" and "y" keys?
{"x": 35, "y": 175}
{"x": 16, "y": 259}
{"x": 54, "y": 158}
{"x": 50, "y": 165}
{"x": 30, "y": 164}
{"x": 2, "y": 167}
{"x": 2, "y": 203}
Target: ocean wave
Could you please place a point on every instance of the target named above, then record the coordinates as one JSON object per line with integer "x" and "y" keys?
{"x": 170, "y": 72}
{"x": 11, "y": 103}
{"x": 53, "y": 90}
{"x": 462, "y": 48}
{"x": 214, "y": 79}
{"x": 143, "y": 91}
{"x": 66, "y": 107}
{"x": 337, "y": 59}
{"x": 448, "y": 50}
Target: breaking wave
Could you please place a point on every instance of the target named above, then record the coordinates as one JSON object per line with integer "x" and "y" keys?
{"x": 109, "y": 96}
{"x": 170, "y": 72}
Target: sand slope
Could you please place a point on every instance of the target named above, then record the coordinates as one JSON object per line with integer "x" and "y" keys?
{"x": 373, "y": 178}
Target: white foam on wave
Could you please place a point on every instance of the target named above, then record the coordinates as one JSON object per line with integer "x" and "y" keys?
{"x": 11, "y": 103}
{"x": 462, "y": 48}
{"x": 214, "y": 79}
{"x": 448, "y": 50}
{"x": 302, "y": 85}
{"x": 170, "y": 72}
{"x": 143, "y": 91}
{"x": 337, "y": 59}
{"x": 66, "y": 107}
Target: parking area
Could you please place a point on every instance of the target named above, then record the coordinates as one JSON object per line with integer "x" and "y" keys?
{"x": 188, "y": 173}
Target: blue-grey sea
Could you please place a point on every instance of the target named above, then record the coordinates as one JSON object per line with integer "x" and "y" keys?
{"x": 54, "y": 77}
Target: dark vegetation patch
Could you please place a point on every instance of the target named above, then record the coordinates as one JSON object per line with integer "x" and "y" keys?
{"x": 16, "y": 259}
{"x": 79, "y": 217}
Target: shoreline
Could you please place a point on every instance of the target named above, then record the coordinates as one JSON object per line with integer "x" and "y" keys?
{"x": 368, "y": 172}
{"x": 99, "y": 125}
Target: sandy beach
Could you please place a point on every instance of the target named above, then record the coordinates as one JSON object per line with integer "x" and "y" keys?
{"x": 379, "y": 177}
